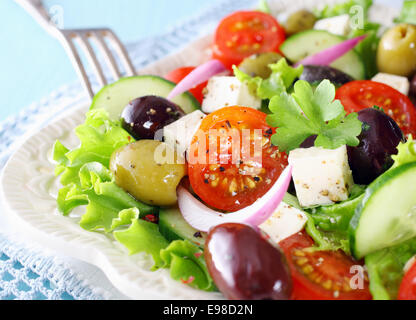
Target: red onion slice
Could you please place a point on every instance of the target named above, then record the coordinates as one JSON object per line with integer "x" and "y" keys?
{"x": 328, "y": 56}
{"x": 199, "y": 75}
{"x": 203, "y": 218}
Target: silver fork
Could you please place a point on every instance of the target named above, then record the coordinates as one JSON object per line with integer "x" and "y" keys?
{"x": 84, "y": 37}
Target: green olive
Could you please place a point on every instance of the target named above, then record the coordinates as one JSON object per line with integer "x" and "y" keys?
{"x": 149, "y": 170}
{"x": 299, "y": 21}
{"x": 397, "y": 51}
{"x": 258, "y": 64}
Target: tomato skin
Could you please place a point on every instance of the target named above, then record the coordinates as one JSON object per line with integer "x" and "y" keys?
{"x": 326, "y": 266}
{"x": 361, "y": 94}
{"x": 245, "y": 33}
{"x": 178, "y": 74}
{"x": 222, "y": 183}
{"x": 407, "y": 289}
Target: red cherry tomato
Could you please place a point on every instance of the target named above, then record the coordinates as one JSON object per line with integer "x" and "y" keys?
{"x": 322, "y": 275}
{"x": 178, "y": 74}
{"x": 245, "y": 33}
{"x": 358, "y": 95}
{"x": 222, "y": 182}
{"x": 407, "y": 289}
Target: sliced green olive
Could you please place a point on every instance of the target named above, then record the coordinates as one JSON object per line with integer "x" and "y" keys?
{"x": 258, "y": 64}
{"x": 299, "y": 21}
{"x": 149, "y": 170}
{"x": 397, "y": 51}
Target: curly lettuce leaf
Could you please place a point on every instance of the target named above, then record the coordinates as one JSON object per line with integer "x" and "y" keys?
{"x": 281, "y": 78}
{"x": 406, "y": 153}
{"x": 408, "y": 13}
{"x": 344, "y": 8}
{"x": 263, "y": 6}
{"x": 141, "y": 236}
{"x": 103, "y": 198}
{"x": 385, "y": 269}
{"x": 187, "y": 264}
{"x": 328, "y": 225}
{"x": 367, "y": 48}
{"x": 99, "y": 137}
{"x": 308, "y": 112}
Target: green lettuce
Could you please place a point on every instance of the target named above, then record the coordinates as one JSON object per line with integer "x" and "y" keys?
{"x": 344, "y": 8}
{"x": 140, "y": 236}
{"x": 99, "y": 137}
{"x": 367, "y": 48}
{"x": 328, "y": 225}
{"x": 187, "y": 264}
{"x": 385, "y": 269}
{"x": 408, "y": 13}
{"x": 263, "y": 6}
{"x": 406, "y": 153}
{"x": 103, "y": 198}
{"x": 281, "y": 78}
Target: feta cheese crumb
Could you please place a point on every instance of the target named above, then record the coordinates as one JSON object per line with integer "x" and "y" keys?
{"x": 179, "y": 134}
{"x": 339, "y": 25}
{"x": 225, "y": 91}
{"x": 285, "y": 222}
{"x": 397, "y": 82}
{"x": 321, "y": 176}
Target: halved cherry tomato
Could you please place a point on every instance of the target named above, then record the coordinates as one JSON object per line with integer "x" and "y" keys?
{"x": 323, "y": 275}
{"x": 232, "y": 174}
{"x": 358, "y": 95}
{"x": 178, "y": 74}
{"x": 245, "y": 33}
{"x": 407, "y": 289}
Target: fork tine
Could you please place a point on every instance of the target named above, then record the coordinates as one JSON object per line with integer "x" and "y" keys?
{"x": 92, "y": 58}
{"x": 69, "y": 47}
{"x": 118, "y": 46}
{"x": 111, "y": 62}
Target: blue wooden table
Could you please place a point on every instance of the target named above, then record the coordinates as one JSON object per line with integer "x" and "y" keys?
{"x": 33, "y": 64}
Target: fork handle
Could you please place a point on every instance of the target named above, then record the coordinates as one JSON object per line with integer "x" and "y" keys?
{"x": 36, "y": 9}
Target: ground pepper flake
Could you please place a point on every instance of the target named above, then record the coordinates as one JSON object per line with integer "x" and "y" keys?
{"x": 151, "y": 218}
{"x": 190, "y": 280}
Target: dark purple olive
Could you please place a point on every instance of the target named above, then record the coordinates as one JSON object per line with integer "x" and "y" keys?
{"x": 309, "y": 142}
{"x": 245, "y": 266}
{"x": 144, "y": 116}
{"x": 412, "y": 92}
{"x": 315, "y": 74}
{"x": 378, "y": 141}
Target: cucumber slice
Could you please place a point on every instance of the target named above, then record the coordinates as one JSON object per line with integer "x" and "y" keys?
{"x": 310, "y": 42}
{"x": 174, "y": 227}
{"x": 387, "y": 214}
{"x": 114, "y": 97}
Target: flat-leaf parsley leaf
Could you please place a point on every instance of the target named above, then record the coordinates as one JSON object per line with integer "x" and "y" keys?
{"x": 306, "y": 112}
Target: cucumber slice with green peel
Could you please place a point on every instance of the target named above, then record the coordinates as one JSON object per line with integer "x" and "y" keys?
{"x": 174, "y": 227}
{"x": 116, "y": 96}
{"x": 387, "y": 214}
{"x": 307, "y": 43}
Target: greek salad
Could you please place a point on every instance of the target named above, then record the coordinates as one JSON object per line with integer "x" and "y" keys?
{"x": 283, "y": 168}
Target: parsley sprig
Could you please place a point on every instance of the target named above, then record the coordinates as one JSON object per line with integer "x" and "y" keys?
{"x": 307, "y": 112}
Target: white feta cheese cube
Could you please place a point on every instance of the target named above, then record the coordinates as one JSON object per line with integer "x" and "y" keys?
{"x": 179, "y": 133}
{"x": 286, "y": 221}
{"x": 226, "y": 91}
{"x": 339, "y": 25}
{"x": 321, "y": 176}
{"x": 397, "y": 82}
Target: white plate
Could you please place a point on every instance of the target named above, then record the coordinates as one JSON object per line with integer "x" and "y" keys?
{"x": 29, "y": 188}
